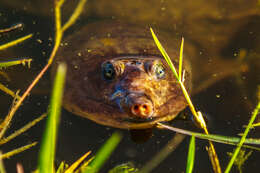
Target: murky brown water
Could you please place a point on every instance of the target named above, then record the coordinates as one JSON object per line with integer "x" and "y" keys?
{"x": 217, "y": 31}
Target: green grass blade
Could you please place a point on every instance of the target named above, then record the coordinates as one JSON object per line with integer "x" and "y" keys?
{"x": 104, "y": 153}
{"x": 212, "y": 137}
{"x": 181, "y": 59}
{"x": 164, "y": 53}
{"x": 191, "y": 155}
{"x": 168, "y": 60}
{"x": 61, "y": 167}
{"x": 243, "y": 138}
{"x": 47, "y": 150}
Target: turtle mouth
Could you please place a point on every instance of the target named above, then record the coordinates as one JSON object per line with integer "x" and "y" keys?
{"x": 139, "y": 120}
{"x": 138, "y": 106}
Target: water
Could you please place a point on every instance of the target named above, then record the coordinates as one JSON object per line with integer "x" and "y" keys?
{"x": 219, "y": 31}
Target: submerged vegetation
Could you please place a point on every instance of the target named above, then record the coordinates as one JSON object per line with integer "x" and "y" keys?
{"x": 93, "y": 164}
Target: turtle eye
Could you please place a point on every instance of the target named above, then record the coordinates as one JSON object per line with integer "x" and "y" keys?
{"x": 108, "y": 71}
{"x": 159, "y": 71}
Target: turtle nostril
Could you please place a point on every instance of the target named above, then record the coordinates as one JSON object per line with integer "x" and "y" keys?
{"x": 135, "y": 109}
{"x": 142, "y": 110}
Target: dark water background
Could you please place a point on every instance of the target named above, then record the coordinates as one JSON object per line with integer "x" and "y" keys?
{"x": 227, "y": 114}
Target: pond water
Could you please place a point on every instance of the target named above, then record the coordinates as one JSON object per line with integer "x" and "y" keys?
{"x": 218, "y": 32}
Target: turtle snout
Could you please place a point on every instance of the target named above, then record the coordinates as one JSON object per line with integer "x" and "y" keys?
{"x": 135, "y": 105}
{"x": 142, "y": 110}
{"x": 140, "y": 107}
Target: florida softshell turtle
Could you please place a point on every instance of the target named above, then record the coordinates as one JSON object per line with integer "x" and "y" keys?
{"x": 117, "y": 76}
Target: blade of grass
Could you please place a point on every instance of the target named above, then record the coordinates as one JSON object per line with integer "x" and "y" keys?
{"x": 16, "y": 151}
{"x": 74, "y": 15}
{"x": 6, "y": 122}
{"x": 84, "y": 165}
{"x": 15, "y": 42}
{"x": 197, "y": 115}
{"x": 181, "y": 59}
{"x": 22, "y": 130}
{"x": 212, "y": 137}
{"x": 165, "y": 55}
{"x": 191, "y": 155}
{"x": 72, "y": 168}
{"x": 8, "y": 91}
{"x": 168, "y": 60}
{"x": 47, "y": 151}
{"x": 104, "y": 153}
{"x": 243, "y": 138}
{"x": 2, "y": 168}
{"x": 62, "y": 167}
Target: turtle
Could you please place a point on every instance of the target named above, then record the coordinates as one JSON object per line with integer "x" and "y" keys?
{"x": 117, "y": 76}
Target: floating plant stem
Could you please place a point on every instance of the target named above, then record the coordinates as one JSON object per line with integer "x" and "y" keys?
{"x": 8, "y": 91}
{"x": 215, "y": 138}
{"x": 5, "y": 123}
{"x": 22, "y": 130}
{"x": 14, "y": 27}
{"x": 15, "y": 42}
{"x": 74, "y": 15}
{"x": 16, "y": 151}
{"x": 22, "y": 61}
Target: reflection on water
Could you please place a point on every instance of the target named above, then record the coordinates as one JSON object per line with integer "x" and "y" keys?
{"x": 216, "y": 32}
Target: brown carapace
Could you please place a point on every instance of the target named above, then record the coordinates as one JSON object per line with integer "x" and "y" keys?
{"x": 117, "y": 76}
